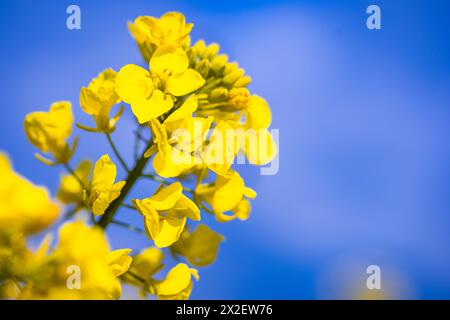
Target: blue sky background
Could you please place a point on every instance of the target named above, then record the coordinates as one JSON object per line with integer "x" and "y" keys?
{"x": 363, "y": 118}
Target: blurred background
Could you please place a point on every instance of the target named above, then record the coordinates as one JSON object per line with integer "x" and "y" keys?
{"x": 364, "y": 127}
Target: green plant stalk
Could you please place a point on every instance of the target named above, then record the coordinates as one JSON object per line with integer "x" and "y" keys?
{"x": 132, "y": 177}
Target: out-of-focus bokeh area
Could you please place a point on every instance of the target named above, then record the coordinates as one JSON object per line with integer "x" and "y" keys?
{"x": 364, "y": 126}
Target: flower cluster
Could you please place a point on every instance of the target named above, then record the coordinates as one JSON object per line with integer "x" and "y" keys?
{"x": 195, "y": 117}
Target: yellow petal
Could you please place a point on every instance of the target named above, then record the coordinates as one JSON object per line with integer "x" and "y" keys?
{"x": 177, "y": 280}
{"x": 170, "y": 231}
{"x": 146, "y": 109}
{"x": 147, "y": 262}
{"x": 199, "y": 247}
{"x": 133, "y": 83}
{"x": 242, "y": 210}
{"x": 230, "y": 190}
{"x": 48, "y": 130}
{"x": 152, "y": 220}
{"x": 260, "y": 148}
{"x": 100, "y": 95}
{"x": 175, "y": 24}
{"x": 258, "y": 114}
{"x": 185, "y": 207}
{"x": 186, "y": 110}
{"x": 120, "y": 261}
{"x": 167, "y": 197}
{"x": 104, "y": 174}
{"x": 250, "y": 193}
{"x": 105, "y": 197}
{"x": 169, "y": 58}
{"x": 89, "y": 102}
{"x": 171, "y": 162}
{"x": 184, "y": 83}
{"x": 223, "y": 148}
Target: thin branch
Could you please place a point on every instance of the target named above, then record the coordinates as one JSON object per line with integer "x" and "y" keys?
{"x": 129, "y": 227}
{"x": 155, "y": 178}
{"x": 165, "y": 182}
{"x": 116, "y": 152}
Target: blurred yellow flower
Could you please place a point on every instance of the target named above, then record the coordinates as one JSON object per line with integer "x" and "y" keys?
{"x": 178, "y": 283}
{"x": 98, "y": 99}
{"x": 165, "y": 214}
{"x": 120, "y": 261}
{"x": 49, "y": 131}
{"x": 147, "y": 263}
{"x": 85, "y": 250}
{"x": 24, "y": 207}
{"x": 199, "y": 247}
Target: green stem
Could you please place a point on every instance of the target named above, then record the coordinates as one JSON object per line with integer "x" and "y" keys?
{"x": 154, "y": 178}
{"x": 132, "y": 177}
{"x": 163, "y": 181}
{"x": 128, "y": 226}
{"x": 128, "y": 206}
{"x": 116, "y": 152}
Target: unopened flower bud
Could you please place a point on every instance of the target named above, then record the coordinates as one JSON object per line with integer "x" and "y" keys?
{"x": 212, "y": 50}
{"x": 203, "y": 68}
{"x": 239, "y": 97}
{"x": 218, "y": 63}
{"x": 218, "y": 94}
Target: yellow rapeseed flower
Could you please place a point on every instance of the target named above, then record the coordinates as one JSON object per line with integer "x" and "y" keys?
{"x": 178, "y": 283}
{"x": 103, "y": 188}
{"x": 151, "y": 33}
{"x": 199, "y": 247}
{"x": 98, "y": 99}
{"x": 86, "y": 250}
{"x": 178, "y": 143}
{"x": 165, "y": 214}
{"x": 24, "y": 207}
{"x": 49, "y": 131}
{"x": 228, "y": 193}
{"x": 151, "y": 93}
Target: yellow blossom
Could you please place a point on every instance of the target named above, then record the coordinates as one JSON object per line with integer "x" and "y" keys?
{"x": 199, "y": 247}
{"x": 103, "y": 188}
{"x": 49, "y": 131}
{"x": 151, "y": 33}
{"x": 178, "y": 143}
{"x": 84, "y": 249}
{"x": 165, "y": 214}
{"x": 120, "y": 261}
{"x": 178, "y": 283}
{"x": 98, "y": 99}
{"x": 24, "y": 207}
{"x": 150, "y": 92}
{"x": 147, "y": 263}
{"x": 228, "y": 193}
